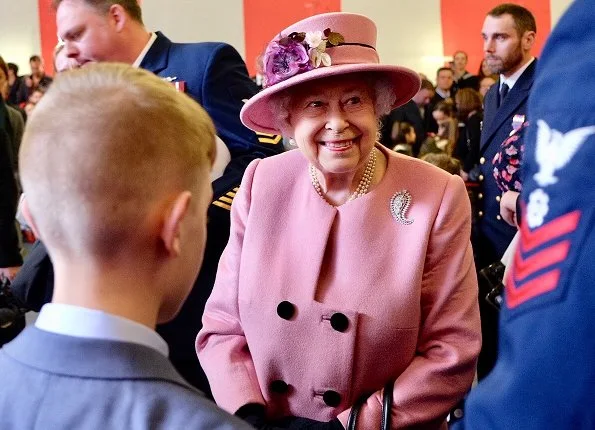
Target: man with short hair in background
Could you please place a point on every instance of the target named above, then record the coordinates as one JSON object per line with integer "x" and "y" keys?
{"x": 508, "y": 32}
{"x": 462, "y": 77}
{"x": 37, "y": 78}
{"x": 412, "y": 112}
{"x": 443, "y": 92}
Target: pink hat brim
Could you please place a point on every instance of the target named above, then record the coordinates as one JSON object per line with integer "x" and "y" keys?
{"x": 257, "y": 115}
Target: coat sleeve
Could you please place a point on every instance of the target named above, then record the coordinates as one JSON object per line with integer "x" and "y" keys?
{"x": 450, "y": 335}
{"x": 221, "y": 344}
{"x": 226, "y": 86}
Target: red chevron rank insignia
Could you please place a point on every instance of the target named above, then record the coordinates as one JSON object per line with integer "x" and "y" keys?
{"x": 541, "y": 250}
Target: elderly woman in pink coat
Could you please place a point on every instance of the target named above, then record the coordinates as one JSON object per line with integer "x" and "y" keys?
{"x": 346, "y": 296}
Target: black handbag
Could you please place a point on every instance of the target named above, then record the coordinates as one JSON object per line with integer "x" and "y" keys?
{"x": 387, "y": 403}
{"x": 491, "y": 286}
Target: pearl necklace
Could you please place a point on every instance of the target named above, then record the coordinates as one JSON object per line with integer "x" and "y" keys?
{"x": 362, "y": 187}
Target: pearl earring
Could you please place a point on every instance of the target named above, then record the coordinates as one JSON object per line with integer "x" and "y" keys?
{"x": 292, "y": 141}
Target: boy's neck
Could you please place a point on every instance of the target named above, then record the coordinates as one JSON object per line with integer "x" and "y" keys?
{"x": 126, "y": 295}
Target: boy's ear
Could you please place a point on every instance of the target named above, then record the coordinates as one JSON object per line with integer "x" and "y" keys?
{"x": 170, "y": 232}
{"x": 28, "y": 217}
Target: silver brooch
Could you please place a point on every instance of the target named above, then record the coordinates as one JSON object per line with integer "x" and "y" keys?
{"x": 399, "y": 205}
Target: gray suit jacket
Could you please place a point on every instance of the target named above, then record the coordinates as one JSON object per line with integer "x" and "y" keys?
{"x": 51, "y": 381}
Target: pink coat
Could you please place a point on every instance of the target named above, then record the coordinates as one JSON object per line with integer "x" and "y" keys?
{"x": 314, "y": 305}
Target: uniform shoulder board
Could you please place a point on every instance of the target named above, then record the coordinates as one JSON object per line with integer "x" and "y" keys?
{"x": 226, "y": 199}
{"x": 269, "y": 139}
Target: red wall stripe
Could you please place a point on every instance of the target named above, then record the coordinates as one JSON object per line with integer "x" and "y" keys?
{"x": 263, "y": 19}
{"x": 48, "y": 33}
{"x": 462, "y": 21}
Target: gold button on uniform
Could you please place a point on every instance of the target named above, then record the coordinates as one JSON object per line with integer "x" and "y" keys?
{"x": 497, "y": 198}
{"x": 482, "y": 160}
{"x": 481, "y": 177}
{"x": 480, "y": 196}
{"x": 480, "y": 213}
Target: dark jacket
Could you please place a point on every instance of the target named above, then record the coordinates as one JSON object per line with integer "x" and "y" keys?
{"x": 494, "y": 233}
{"x": 9, "y": 245}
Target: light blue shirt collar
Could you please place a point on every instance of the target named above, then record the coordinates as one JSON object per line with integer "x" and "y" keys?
{"x": 77, "y": 321}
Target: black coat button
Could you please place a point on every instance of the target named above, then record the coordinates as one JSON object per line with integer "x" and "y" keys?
{"x": 331, "y": 398}
{"x": 285, "y": 310}
{"x": 339, "y": 322}
{"x": 279, "y": 386}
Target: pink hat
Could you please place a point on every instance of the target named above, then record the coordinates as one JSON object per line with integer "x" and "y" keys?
{"x": 318, "y": 47}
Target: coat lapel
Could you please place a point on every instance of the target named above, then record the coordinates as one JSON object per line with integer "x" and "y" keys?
{"x": 157, "y": 56}
{"x": 517, "y": 96}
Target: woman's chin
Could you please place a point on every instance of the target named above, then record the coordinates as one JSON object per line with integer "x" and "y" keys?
{"x": 338, "y": 166}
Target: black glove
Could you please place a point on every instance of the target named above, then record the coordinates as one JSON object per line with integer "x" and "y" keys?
{"x": 297, "y": 423}
{"x": 255, "y": 415}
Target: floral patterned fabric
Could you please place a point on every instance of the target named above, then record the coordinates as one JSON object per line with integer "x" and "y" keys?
{"x": 507, "y": 162}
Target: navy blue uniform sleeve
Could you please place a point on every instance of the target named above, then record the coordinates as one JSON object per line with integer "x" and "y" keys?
{"x": 34, "y": 284}
{"x": 226, "y": 85}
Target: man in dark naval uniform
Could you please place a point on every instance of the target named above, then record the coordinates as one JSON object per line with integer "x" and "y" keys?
{"x": 545, "y": 374}
{"x": 215, "y": 76}
{"x": 509, "y": 34}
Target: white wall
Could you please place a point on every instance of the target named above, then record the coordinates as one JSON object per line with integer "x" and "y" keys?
{"x": 557, "y": 8}
{"x": 197, "y": 20}
{"x": 405, "y": 36}
{"x": 19, "y": 32}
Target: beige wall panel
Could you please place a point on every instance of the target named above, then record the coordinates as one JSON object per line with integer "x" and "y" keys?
{"x": 409, "y": 31}
{"x": 19, "y": 32}
{"x": 558, "y": 7}
{"x": 197, "y": 20}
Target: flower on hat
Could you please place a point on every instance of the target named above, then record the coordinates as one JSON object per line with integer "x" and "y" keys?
{"x": 284, "y": 59}
{"x": 314, "y": 38}
{"x": 298, "y": 53}
{"x": 318, "y": 57}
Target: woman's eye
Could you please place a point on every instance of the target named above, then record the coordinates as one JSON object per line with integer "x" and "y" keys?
{"x": 354, "y": 100}
{"x": 315, "y": 104}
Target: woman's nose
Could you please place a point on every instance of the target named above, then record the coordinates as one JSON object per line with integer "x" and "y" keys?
{"x": 336, "y": 121}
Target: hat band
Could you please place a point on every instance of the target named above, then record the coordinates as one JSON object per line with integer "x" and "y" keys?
{"x": 352, "y": 53}
{"x": 352, "y": 43}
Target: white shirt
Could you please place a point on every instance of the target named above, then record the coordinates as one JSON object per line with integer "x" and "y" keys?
{"x": 69, "y": 320}
{"x": 143, "y": 53}
{"x": 511, "y": 80}
{"x": 442, "y": 93}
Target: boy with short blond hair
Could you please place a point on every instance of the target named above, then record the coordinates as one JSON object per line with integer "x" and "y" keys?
{"x": 117, "y": 188}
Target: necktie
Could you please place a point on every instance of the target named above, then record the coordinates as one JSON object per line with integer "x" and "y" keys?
{"x": 503, "y": 92}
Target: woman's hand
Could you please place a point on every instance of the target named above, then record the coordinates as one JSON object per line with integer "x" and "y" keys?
{"x": 508, "y": 207}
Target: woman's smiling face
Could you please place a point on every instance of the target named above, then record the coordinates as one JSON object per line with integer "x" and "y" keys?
{"x": 334, "y": 123}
